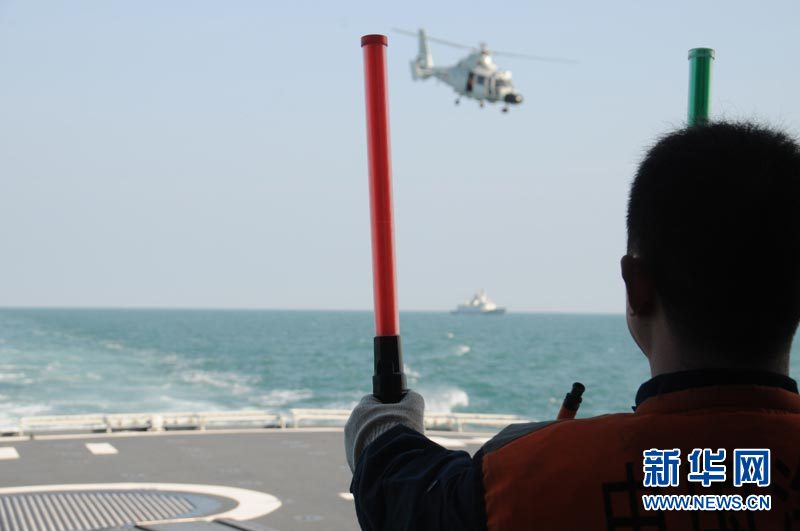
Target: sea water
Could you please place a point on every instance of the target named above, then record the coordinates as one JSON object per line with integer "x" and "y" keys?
{"x": 56, "y": 362}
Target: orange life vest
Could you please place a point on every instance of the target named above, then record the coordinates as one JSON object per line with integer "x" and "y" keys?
{"x": 587, "y": 474}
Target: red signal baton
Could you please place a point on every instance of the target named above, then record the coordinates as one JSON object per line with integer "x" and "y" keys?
{"x": 388, "y": 381}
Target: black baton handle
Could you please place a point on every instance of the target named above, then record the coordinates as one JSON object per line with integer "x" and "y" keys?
{"x": 388, "y": 381}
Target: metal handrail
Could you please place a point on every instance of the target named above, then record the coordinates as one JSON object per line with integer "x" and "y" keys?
{"x": 441, "y": 421}
{"x": 219, "y": 419}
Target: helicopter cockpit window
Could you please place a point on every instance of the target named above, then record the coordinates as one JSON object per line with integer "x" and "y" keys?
{"x": 479, "y": 80}
{"x": 502, "y": 83}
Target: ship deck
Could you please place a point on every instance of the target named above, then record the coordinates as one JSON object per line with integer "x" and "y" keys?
{"x": 258, "y": 479}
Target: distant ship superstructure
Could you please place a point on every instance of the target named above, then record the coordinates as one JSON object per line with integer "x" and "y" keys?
{"x": 479, "y": 304}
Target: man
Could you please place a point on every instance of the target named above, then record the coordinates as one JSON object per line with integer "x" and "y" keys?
{"x": 712, "y": 276}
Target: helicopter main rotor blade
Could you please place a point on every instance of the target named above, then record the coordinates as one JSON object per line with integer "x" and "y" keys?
{"x": 405, "y": 32}
{"x": 543, "y": 58}
{"x": 436, "y": 40}
{"x": 451, "y": 43}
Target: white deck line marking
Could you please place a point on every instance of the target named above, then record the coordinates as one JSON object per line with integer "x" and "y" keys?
{"x": 251, "y": 504}
{"x": 8, "y": 452}
{"x": 448, "y": 443}
{"x": 101, "y": 448}
{"x": 346, "y": 496}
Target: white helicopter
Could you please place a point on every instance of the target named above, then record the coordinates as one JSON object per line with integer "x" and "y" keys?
{"x": 476, "y": 76}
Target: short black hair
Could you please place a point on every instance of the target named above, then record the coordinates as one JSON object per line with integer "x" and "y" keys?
{"x": 714, "y": 214}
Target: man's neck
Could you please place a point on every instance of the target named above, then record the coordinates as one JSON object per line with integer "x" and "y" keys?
{"x": 665, "y": 359}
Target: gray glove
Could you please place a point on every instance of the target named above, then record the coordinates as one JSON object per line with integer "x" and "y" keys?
{"x": 371, "y": 418}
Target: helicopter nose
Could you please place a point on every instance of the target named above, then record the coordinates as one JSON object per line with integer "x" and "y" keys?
{"x": 513, "y": 98}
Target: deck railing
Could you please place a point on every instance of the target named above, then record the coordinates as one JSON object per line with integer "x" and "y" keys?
{"x": 294, "y": 418}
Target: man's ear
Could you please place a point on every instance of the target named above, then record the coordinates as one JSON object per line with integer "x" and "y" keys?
{"x": 639, "y": 285}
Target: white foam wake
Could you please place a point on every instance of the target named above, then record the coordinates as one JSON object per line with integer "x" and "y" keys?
{"x": 412, "y": 376}
{"x": 443, "y": 400}
{"x": 462, "y": 349}
{"x": 11, "y": 412}
{"x": 235, "y": 382}
{"x": 283, "y": 397}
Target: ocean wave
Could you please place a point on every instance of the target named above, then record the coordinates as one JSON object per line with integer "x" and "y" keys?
{"x": 460, "y": 350}
{"x": 168, "y": 403}
{"x": 346, "y": 400}
{"x": 174, "y": 360}
{"x": 237, "y": 383}
{"x": 12, "y": 411}
{"x": 283, "y": 397}
{"x": 31, "y": 409}
{"x": 444, "y": 400}
{"x": 450, "y": 335}
{"x": 15, "y": 377}
{"x": 113, "y": 345}
{"x": 411, "y": 375}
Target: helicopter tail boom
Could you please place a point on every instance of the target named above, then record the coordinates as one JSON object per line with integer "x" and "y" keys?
{"x": 422, "y": 66}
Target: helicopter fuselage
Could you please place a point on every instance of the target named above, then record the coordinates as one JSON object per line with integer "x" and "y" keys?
{"x": 476, "y": 76}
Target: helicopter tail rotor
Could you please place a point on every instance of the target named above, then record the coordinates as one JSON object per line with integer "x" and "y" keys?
{"x": 421, "y": 67}
{"x": 424, "y": 57}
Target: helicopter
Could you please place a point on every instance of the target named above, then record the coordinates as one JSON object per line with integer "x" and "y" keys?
{"x": 476, "y": 76}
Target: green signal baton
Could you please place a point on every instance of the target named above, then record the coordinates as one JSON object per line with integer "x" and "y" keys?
{"x": 700, "y": 60}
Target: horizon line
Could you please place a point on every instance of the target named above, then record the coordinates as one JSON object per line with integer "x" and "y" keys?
{"x": 266, "y": 309}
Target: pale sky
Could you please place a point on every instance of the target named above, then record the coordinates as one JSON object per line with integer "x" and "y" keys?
{"x": 212, "y": 153}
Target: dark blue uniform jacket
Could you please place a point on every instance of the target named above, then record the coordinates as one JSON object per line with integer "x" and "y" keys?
{"x": 404, "y": 481}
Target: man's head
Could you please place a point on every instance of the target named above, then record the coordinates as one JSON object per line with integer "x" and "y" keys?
{"x": 714, "y": 245}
